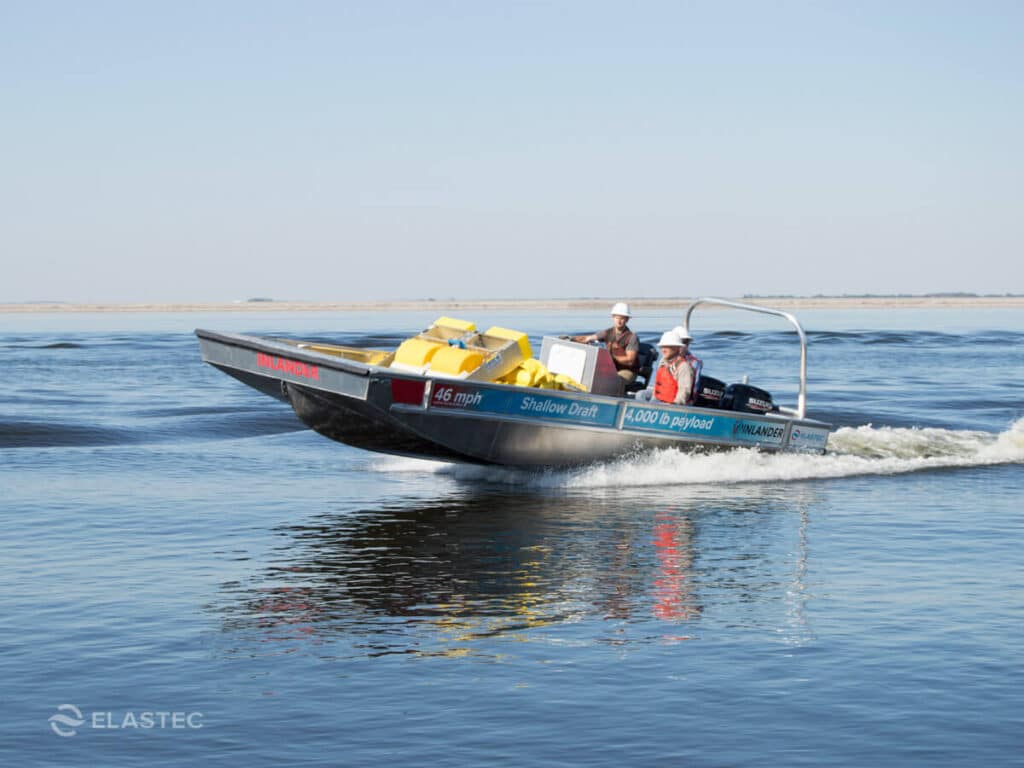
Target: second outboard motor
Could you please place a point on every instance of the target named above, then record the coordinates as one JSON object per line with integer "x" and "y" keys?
{"x": 744, "y": 397}
{"x": 709, "y": 392}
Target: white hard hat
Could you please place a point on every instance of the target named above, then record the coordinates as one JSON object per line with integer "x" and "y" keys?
{"x": 682, "y": 334}
{"x": 621, "y": 308}
{"x": 670, "y": 339}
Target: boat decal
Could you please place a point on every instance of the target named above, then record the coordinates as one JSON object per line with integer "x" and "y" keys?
{"x": 664, "y": 420}
{"x": 407, "y": 391}
{"x": 808, "y": 439}
{"x": 529, "y": 404}
{"x": 284, "y": 365}
{"x": 759, "y": 432}
{"x": 653, "y": 419}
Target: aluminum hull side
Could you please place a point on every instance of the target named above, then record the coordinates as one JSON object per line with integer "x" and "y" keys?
{"x": 524, "y": 444}
{"x": 355, "y": 423}
{"x": 330, "y": 396}
{"x": 269, "y": 386}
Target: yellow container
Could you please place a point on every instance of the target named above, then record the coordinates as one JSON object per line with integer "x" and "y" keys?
{"x": 452, "y": 361}
{"x": 459, "y": 325}
{"x": 416, "y": 353}
{"x": 509, "y": 335}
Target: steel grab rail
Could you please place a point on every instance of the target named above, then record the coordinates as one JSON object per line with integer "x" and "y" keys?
{"x": 801, "y": 405}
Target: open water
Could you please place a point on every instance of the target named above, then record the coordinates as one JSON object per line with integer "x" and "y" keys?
{"x": 189, "y": 577}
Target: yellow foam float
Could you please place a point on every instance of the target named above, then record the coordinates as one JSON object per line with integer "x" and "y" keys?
{"x": 453, "y": 361}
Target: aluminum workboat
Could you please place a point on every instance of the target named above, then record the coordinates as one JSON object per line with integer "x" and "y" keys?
{"x": 453, "y": 393}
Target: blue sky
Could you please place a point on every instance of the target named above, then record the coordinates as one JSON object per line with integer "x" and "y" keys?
{"x": 212, "y": 151}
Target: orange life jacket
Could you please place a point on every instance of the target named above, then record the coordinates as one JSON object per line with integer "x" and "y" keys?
{"x": 666, "y": 385}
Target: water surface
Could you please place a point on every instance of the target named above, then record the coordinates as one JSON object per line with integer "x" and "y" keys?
{"x": 177, "y": 543}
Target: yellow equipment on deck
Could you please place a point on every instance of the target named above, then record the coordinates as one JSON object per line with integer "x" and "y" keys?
{"x": 454, "y": 349}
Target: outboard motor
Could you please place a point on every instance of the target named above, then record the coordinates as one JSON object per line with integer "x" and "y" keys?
{"x": 709, "y": 392}
{"x": 744, "y": 397}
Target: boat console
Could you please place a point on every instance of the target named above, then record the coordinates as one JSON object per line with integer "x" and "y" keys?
{"x": 590, "y": 365}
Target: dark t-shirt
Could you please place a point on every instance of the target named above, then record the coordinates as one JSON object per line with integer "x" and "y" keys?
{"x": 625, "y": 341}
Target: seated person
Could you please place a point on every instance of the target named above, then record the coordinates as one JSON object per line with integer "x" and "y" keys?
{"x": 673, "y": 381}
{"x": 695, "y": 362}
{"x": 622, "y": 343}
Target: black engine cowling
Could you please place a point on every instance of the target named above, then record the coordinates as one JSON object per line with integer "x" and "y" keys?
{"x": 746, "y": 398}
{"x": 709, "y": 392}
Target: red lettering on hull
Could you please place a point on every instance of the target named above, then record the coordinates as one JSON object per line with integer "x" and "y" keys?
{"x": 284, "y": 365}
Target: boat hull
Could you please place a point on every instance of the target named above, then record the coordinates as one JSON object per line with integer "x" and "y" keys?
{"x": 388, "y": 411}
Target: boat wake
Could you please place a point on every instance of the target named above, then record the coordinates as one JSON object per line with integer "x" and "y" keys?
{"x": 853, "y": 451}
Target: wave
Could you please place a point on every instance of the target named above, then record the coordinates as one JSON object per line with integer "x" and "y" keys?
{"x": 35, "y": 434}
{"x": 158, "y": 426}
{"x": 45, "y": 345}
{"x": 853, "y": 451}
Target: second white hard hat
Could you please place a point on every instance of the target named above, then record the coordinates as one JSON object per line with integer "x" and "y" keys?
{"x": 670, "y": 339}
{"x": 621, "y": 308}
{"x": 683, "y": 335}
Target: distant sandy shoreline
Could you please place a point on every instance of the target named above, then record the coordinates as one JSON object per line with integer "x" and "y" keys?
{"x": 638, "y": 305}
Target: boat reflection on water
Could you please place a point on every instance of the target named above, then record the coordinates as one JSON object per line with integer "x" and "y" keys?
{"x": 673, "y": 585}
{"x": 454, "y": 576}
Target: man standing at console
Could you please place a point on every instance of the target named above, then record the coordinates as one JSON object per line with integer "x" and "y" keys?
{"x": 622, "y": 343}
